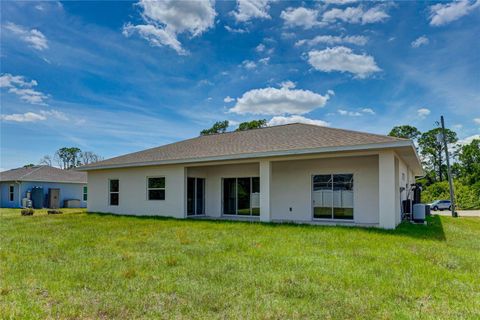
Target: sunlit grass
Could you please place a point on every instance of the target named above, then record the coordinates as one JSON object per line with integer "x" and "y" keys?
{"x": 79, "y": 265}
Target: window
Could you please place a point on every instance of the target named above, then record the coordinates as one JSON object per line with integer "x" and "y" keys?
{"x": 156, "y": 188}
{"x": 241, "y": 196}
{"x": 114, "y": 186}
{"x": 333, "y": 196}
{"x": 11, "y": 192}
{"x": 85, "y": 193}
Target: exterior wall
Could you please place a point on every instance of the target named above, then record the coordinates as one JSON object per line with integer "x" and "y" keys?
{"x": 5, "y": 196}
{"x": 133, "y": 191}
{"x": 292, "y": 187}
{"x": 213, "y": 182}
{"x": 67, "y": 191}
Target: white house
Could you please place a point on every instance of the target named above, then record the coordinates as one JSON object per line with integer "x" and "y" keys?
{"x": 296, "y": 172}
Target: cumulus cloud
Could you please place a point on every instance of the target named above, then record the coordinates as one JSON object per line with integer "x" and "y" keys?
{"x": 279, "y": 101}
{"x": 228, "y": 99}
{"x": 423, "y": 112}
{"x": 260, "y": 48}
{"x": 251, "y": 9}
{"x": 300, "y": 17}
{"x": 340, "y": 2}
{"x": 444, "y": 13}
{"x": 344, "y": 60}
{"x": 476, "y": 120}
{"x": 249, "y": 64}
{"x": 19, "y": 86}
{"x": 280, "y": 120}
{"x": 164, "y": 20}
{"x": 34, "y": 117}
{"x": 33, "y": 37}
{"x": 235, "y": 30}
{"x": 358, "y": 113}
{"x": 420, "y": 41}
{"x": 332, "y": 40}
{"x": 356, "y": 15}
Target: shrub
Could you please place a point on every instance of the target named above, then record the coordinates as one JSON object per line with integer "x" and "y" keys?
{"x": 27, "y": 212}
{"x": 54, "y": 211}
{"x": 466, "y": 196}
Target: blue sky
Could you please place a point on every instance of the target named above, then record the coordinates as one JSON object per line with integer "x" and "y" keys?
{"x": 117, "y": 77}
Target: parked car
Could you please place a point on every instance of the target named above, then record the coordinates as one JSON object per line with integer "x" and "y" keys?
{"x": 440, "y": 205}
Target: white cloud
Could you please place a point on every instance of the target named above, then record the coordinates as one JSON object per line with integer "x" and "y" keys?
{"x": 344, "y": 60}
{"x": 22, "y": 88}
{"x": 164, "y": 20}
{"x": 420, "y": 41}
{"x": 356, "y": 15}
{"x": 327, "y": 39}
{"x": 339, "y": 2}
{"x": 279, "y": 101}
{"x": 476, "y": 120}
{"x": 251, "y": 9}
{"x": 441, "y": 14}
{"x": 280, "y": 120}
{"x": 32, "y": 37}
{"x": 260, "y": 47}
{"x": 300, "y": 17}
{"x": 248, "y": 64}
{"x": 235, "y": 30}
{"x": 468, "y": 140}
{"x": 228, "y": 99}
{"x": 368, "y": 110}
{"x": 264, "y": 60}
{"x": 423, "y": 112}
{"x": 34, "y": 117}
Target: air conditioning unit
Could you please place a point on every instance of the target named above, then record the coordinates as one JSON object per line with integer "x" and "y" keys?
{"x": 419, "y": 212}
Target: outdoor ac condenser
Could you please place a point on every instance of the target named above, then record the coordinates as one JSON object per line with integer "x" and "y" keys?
{"x": 419, "y": 212}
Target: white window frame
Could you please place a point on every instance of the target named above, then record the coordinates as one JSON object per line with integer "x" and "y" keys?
{"x": 110, "y": 192}
{"x": 311, "y": 197}
{"x": 85, "y": 194}
{"x": 164, "y": 188}
{"x": 11, "y": 193}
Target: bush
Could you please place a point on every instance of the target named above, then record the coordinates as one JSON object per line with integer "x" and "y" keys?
{"x": 466, "y": 196}
{"x": 54, "y": 211}
{"x": 27, "y": 212}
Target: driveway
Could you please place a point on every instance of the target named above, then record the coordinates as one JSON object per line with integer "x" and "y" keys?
{"x": 461, "y": 213}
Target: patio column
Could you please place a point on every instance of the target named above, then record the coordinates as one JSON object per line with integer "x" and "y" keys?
{"x": 265, "y": 182}
{"x": 386, "y": 189}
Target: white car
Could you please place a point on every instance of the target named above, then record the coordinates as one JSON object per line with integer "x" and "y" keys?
{"x": 440, "y": 205}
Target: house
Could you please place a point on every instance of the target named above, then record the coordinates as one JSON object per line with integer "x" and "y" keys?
{"x": 16, "y": 184}
{"x": 295, "y": 172}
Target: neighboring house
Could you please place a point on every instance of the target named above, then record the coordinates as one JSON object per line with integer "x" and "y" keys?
{"x": 295, "y": 172}
{"x": 15, "y": 183}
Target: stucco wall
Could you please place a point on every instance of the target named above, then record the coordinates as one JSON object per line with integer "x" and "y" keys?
{"x": 133, "y": 191}
{"x": 292, "y": 187}
{"x": 67, "y": 191}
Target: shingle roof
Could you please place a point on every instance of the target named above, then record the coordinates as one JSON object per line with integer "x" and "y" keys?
{"x": 44, "y": 174}
{"x": 257, "y": 141}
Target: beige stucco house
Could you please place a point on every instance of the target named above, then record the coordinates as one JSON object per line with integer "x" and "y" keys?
{"x": 296, "y": 172}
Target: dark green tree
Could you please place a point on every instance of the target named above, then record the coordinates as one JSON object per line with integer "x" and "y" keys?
{"x": 68, "y": 158}
{"x": 405, "y": 131}
{"x": 218, "y": 127}
{"x": 469, "y": 159}
{"x": 29, "y": 165}
{"x": 432, "y": 151}
{"x": 254, "y": 124}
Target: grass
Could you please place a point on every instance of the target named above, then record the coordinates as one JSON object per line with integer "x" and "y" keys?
{"x": 89, "y": 266}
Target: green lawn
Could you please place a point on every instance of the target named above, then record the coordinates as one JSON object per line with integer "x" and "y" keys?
{"x": 79, "y": 265}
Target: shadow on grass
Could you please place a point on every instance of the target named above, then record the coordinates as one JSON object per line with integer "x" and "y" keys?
{"x": 433, "y": 230}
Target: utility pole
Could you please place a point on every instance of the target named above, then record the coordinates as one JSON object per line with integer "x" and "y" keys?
{"x": 449, "y": 171}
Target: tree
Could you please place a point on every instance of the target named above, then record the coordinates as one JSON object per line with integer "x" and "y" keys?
{"x": 469, "y": 158}
{"x": 405, "y": 131}
{"x": 254, "y": 124}
{"x": 29, "y": 165}
{"x": 67, "y": 158}
{"x": 87, "y": 157}
{"x": 432, "y": 151}
{"x": 218, "y": 127}
{"x": 46, "y": 161}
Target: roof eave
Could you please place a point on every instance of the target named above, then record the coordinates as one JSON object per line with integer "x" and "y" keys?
{"x": 386, "y": 145}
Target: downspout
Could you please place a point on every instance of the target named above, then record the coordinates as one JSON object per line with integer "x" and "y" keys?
{"x": 19, "y": 194}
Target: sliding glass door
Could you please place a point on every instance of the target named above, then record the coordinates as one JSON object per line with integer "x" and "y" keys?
{"x": 195, "y": 196}
{"x": 332, "y": 196}
{"x": 241, "y": 196}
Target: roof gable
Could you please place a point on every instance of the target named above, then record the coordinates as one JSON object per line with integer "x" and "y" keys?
{"x": 43, "y": 174}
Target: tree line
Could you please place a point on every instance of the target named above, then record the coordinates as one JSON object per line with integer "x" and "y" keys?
{"x": 70, "y": 157}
